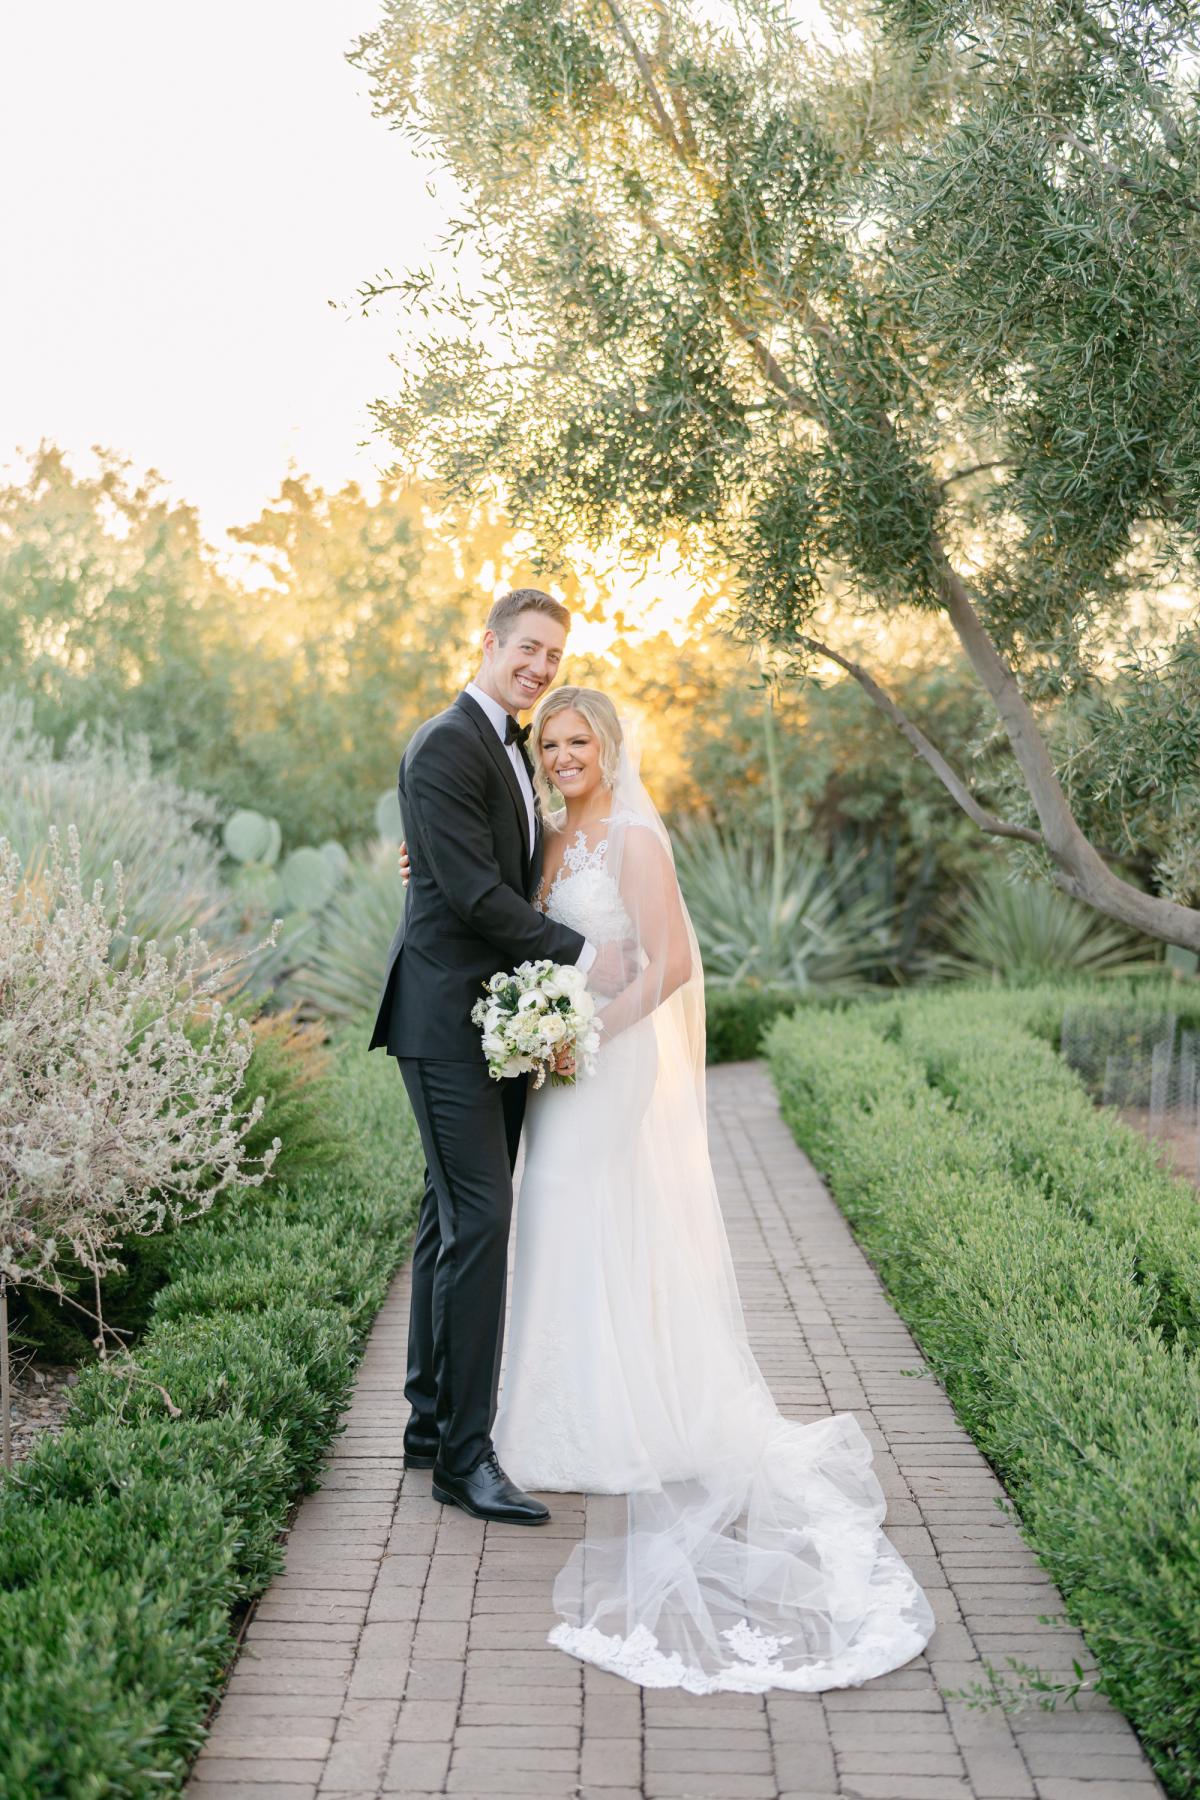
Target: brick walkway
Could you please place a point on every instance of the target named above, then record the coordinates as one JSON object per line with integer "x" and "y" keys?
{"x": 403, "y": 1652}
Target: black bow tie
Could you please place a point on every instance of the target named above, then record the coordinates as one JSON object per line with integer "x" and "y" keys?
{"x": 514, "y": 733}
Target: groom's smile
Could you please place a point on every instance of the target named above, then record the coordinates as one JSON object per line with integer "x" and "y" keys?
{"x": 518, "y": 669}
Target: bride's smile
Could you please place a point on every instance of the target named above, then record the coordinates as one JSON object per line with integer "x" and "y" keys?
{"x": 571, "y": 757}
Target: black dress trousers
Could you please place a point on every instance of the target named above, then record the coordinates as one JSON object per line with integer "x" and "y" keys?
{"x": 470, "y": 1129}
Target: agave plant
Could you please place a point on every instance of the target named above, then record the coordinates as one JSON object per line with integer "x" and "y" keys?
{"x": 776, "y": 915}
{"x": 124, "y": 811}
{"x": 1026, "y": 931}
{"x": 343, "y": 959}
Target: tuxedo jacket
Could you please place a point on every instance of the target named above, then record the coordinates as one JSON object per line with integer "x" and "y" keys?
{"x": 467, "y": 910}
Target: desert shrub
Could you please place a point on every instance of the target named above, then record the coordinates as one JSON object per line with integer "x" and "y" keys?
{"x": 1044, "y": 1327}
{"x": 737, "y": 1017}
{"x": 289, "y": 1068}
{"x": 120, "y": 1109}
{"x": 261, "y": 1268}
{"x": 236, "y": 1455}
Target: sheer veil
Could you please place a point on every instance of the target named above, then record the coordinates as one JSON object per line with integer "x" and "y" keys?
{"x": 749, "y": 1552}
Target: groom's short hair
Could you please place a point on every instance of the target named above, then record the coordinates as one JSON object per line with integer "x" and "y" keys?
{"x": 509, "y": 607}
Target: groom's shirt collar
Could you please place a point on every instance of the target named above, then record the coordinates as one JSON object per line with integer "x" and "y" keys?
{"x": 496, "y": 714}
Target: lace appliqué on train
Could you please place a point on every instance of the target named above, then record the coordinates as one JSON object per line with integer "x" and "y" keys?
{"x": 884, "y": 1642}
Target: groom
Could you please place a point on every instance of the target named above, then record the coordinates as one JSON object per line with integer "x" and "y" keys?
{"x": 475, "y": 835}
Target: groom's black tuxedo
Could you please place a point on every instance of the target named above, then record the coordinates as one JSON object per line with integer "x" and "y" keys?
{"x": 467, "y": 914}
{"x": 467, "y": 911}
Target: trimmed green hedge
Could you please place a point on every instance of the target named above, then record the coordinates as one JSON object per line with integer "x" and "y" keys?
{"x": 126, "y": 1541}
{"x": 1044, "y": 1325}
{"x": 1016, "y": 1088}
{"x": 737, "y": 1017}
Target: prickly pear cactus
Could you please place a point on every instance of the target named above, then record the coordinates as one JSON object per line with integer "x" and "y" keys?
{"x": 256, "y": 890}
{"x": 388, "y": 822}
{"x": 337, "y": 858}
{"x": 251, "y": 838}
{"x": 308, "y": 879}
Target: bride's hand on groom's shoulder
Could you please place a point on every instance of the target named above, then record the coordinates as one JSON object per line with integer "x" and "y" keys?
{"x": 404, "y": 863}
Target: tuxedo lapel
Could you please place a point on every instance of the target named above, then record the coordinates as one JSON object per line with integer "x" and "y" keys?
{"x": 539, "y": 845}
{"x": 500, "y": 757}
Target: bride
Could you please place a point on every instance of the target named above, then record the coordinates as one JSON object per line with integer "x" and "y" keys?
{"x": 753, "y": 1555}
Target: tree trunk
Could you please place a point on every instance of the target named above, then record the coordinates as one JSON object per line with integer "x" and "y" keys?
{"x": 1080, "y": 869}
{"x": 777, "y": 820}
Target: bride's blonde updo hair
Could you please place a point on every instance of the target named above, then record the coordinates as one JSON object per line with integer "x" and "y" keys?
{"x": 601, "y": 716}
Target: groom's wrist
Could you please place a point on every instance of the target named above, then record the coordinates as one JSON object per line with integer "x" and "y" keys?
{"x": 586, "y": 957}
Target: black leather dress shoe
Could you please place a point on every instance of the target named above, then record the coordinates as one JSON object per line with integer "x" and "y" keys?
{"x": 487, "y": 1493}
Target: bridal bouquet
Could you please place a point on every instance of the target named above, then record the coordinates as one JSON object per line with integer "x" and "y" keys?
{"x": 530, "y": 1016}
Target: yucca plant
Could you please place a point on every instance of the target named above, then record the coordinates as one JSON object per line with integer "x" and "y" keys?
{"x": 343, "y": 960}
{"x": 774, "y": 914}
{"x": 1026, "y": 931}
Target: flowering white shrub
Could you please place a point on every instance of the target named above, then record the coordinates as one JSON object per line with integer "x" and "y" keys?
{"x": 531, "y": 1016}
{"x": 118, "y": 1085}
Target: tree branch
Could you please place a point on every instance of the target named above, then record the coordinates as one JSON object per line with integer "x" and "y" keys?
{"x": 997, "y": 462}
{"x": 1081, "y": 871}
{"x": 798, "y": 399}
{"x": 665, "y": 128}
{"x": 929, "y": 753}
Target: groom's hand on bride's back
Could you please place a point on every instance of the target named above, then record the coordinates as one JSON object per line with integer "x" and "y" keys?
{"x": 614, "y": 967}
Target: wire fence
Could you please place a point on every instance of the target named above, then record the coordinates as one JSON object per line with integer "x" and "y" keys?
{"x": 1147, "y": 1065}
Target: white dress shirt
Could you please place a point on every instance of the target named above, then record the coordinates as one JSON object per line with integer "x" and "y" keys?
{"x": 498, "y": 718}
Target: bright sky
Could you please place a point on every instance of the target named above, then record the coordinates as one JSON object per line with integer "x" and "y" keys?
{"x": 188, "y": 189}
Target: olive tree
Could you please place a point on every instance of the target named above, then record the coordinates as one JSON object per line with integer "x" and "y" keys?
{"x": 904, "y": 299}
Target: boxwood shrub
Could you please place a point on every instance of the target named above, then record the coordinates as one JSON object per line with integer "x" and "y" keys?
{"x": 1045, "y": 1326}
{"x": 737, "y": 1017}
{"x": 127, "y": 1541}
{"x": 1016, "y": 1088}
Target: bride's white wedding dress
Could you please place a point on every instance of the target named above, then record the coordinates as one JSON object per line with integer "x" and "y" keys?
{"x": 752, "y": 1555}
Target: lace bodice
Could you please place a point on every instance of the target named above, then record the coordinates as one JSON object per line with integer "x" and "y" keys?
{"x": 584, "y": 895}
